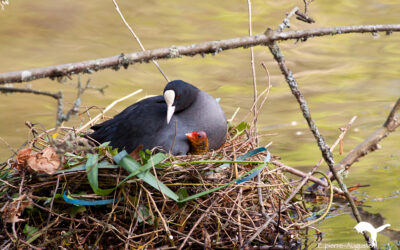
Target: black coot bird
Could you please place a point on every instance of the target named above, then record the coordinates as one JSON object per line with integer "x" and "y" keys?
{"x": 151, "y": 122}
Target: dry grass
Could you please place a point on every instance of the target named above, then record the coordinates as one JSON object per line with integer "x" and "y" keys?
{"x": 142, "y": 217}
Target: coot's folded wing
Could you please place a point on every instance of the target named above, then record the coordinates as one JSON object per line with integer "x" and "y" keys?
{"x": 136, "y": 125}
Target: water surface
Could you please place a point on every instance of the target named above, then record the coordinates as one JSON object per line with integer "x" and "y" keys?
{"x": 340, "y": 76}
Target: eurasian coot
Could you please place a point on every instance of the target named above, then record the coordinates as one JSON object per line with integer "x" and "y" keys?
{"x": 151, "y": 122}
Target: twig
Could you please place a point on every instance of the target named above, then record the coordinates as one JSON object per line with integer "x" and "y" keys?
{"x": 253, "y": 73}
{"x": 173, "y": 140}
{"x": 8, "y": 145}
{"x": 61, "y": 117}
{"x": 239, "y": 219}
{"x": 327, "y": 208}
{"x": 324, "y": 148}
{"x": 371, "y": 143}
{"x": 6, "y": 90}
{"x": 137, "y": 39}
{"x": 191, "y": 238}
{"x": 18, "y": 205}
{"x": 197, "y": 223}
{"x": 211, "y": 47}
{"x": 266, "y": 91}
{"x": 339, "y": 139}
{"x": 286, "y": 21}
{"x": 166, "y": 228}
{"x": 51, "y": 205}
{"x": 306, "y": 4}
{"x": 263, "y": 227}
{"x": 299, "y": 173}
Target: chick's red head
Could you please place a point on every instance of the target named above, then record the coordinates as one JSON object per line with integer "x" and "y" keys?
{"x": 198, "y": 142}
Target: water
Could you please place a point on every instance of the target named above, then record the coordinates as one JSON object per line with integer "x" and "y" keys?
{"x": 340, "y": 76}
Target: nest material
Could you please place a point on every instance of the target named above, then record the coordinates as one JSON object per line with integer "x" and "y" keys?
{"x": 144, "y": 217}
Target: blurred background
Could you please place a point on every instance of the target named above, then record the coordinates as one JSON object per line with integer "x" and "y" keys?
{"x": 340, "y": 76}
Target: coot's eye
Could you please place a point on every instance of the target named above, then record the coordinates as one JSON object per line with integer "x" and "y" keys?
{"x": 178, "y": 96}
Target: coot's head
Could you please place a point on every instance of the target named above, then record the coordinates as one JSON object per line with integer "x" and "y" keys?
{"x": 198, "y": 141}
{"x": 179, "y": 95}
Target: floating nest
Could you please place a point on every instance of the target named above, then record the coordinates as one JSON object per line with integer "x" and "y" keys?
{"x": 38, "y": 208}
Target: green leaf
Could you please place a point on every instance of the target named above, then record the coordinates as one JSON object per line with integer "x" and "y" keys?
{"x": 31, "y": 233}
{"x": 182, "y": 193}
{"x": 92, "y": 173}
{"x": 131, "y": 165}
{"x": 114, "y": 151}
{"x": 29, "y": 230}
{"x": 104, "y": 144}
{"x": 242, "y": 126}
{"x": 142, "y": 155}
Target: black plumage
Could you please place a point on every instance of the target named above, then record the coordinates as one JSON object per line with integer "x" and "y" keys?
{"x": 145, "y": 122}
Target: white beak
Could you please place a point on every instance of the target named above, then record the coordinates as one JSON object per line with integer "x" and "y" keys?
{"x": 170, "y": 113}
{"x": 169, "y": 97}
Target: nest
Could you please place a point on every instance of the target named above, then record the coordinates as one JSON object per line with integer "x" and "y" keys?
{"x": 34, "y": 213}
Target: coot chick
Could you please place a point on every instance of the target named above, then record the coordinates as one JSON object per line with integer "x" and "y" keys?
{"x": 150, "y": 123}
{"x": 198, "y": 142}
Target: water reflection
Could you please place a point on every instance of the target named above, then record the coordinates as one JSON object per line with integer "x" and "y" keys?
{"x": 340, "y": 76}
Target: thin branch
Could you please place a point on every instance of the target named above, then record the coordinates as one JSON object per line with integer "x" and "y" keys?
{"x": 303, "y": 182}
{"x": 137, "y": 39}
{"x": 300, "y": 173}
{"x": 326, "y": 153}
{"x": 211, "y": 47}
{"x": 286, "y": 21}
{"x": 371, "y": 143}
{"x": 253, "y": 73}
{"x": 197, "y": 223}
{"x": 8, "y": 145}
{"x": 306, "y": 4}
{"x": 266, "y": 91}
{"x": 6, "y": 90}
{"x": 61, "y": 117}
{"x": 324, "y": 148}
{"x": 51, "y": 205}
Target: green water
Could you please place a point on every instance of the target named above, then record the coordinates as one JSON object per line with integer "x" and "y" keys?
{"x": 340, "y": 76}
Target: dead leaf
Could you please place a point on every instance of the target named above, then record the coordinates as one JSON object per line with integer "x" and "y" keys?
{"x": 46, "y": 161}
{"x": 11, "y": 211}
{"x": 22, "y": 157}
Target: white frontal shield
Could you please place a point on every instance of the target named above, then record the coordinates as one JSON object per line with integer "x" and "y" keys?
{"x": 169, "y": 97}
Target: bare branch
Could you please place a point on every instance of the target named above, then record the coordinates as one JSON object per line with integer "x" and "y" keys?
{"x": 253, "y": 73}
{"x": 323, "y": 146}
{"x": 306, "y": 4}
{"x": 303, "y": 182}
{"x": 303, "y": 17}
{"x": 212, "y": 47}
{"x": 137, "y": 39}
{"x": 286, "y": 21}
{"x": 6, "y": 90}
{"x": 299, "y": 173}
{"x": 371, "y": 143}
